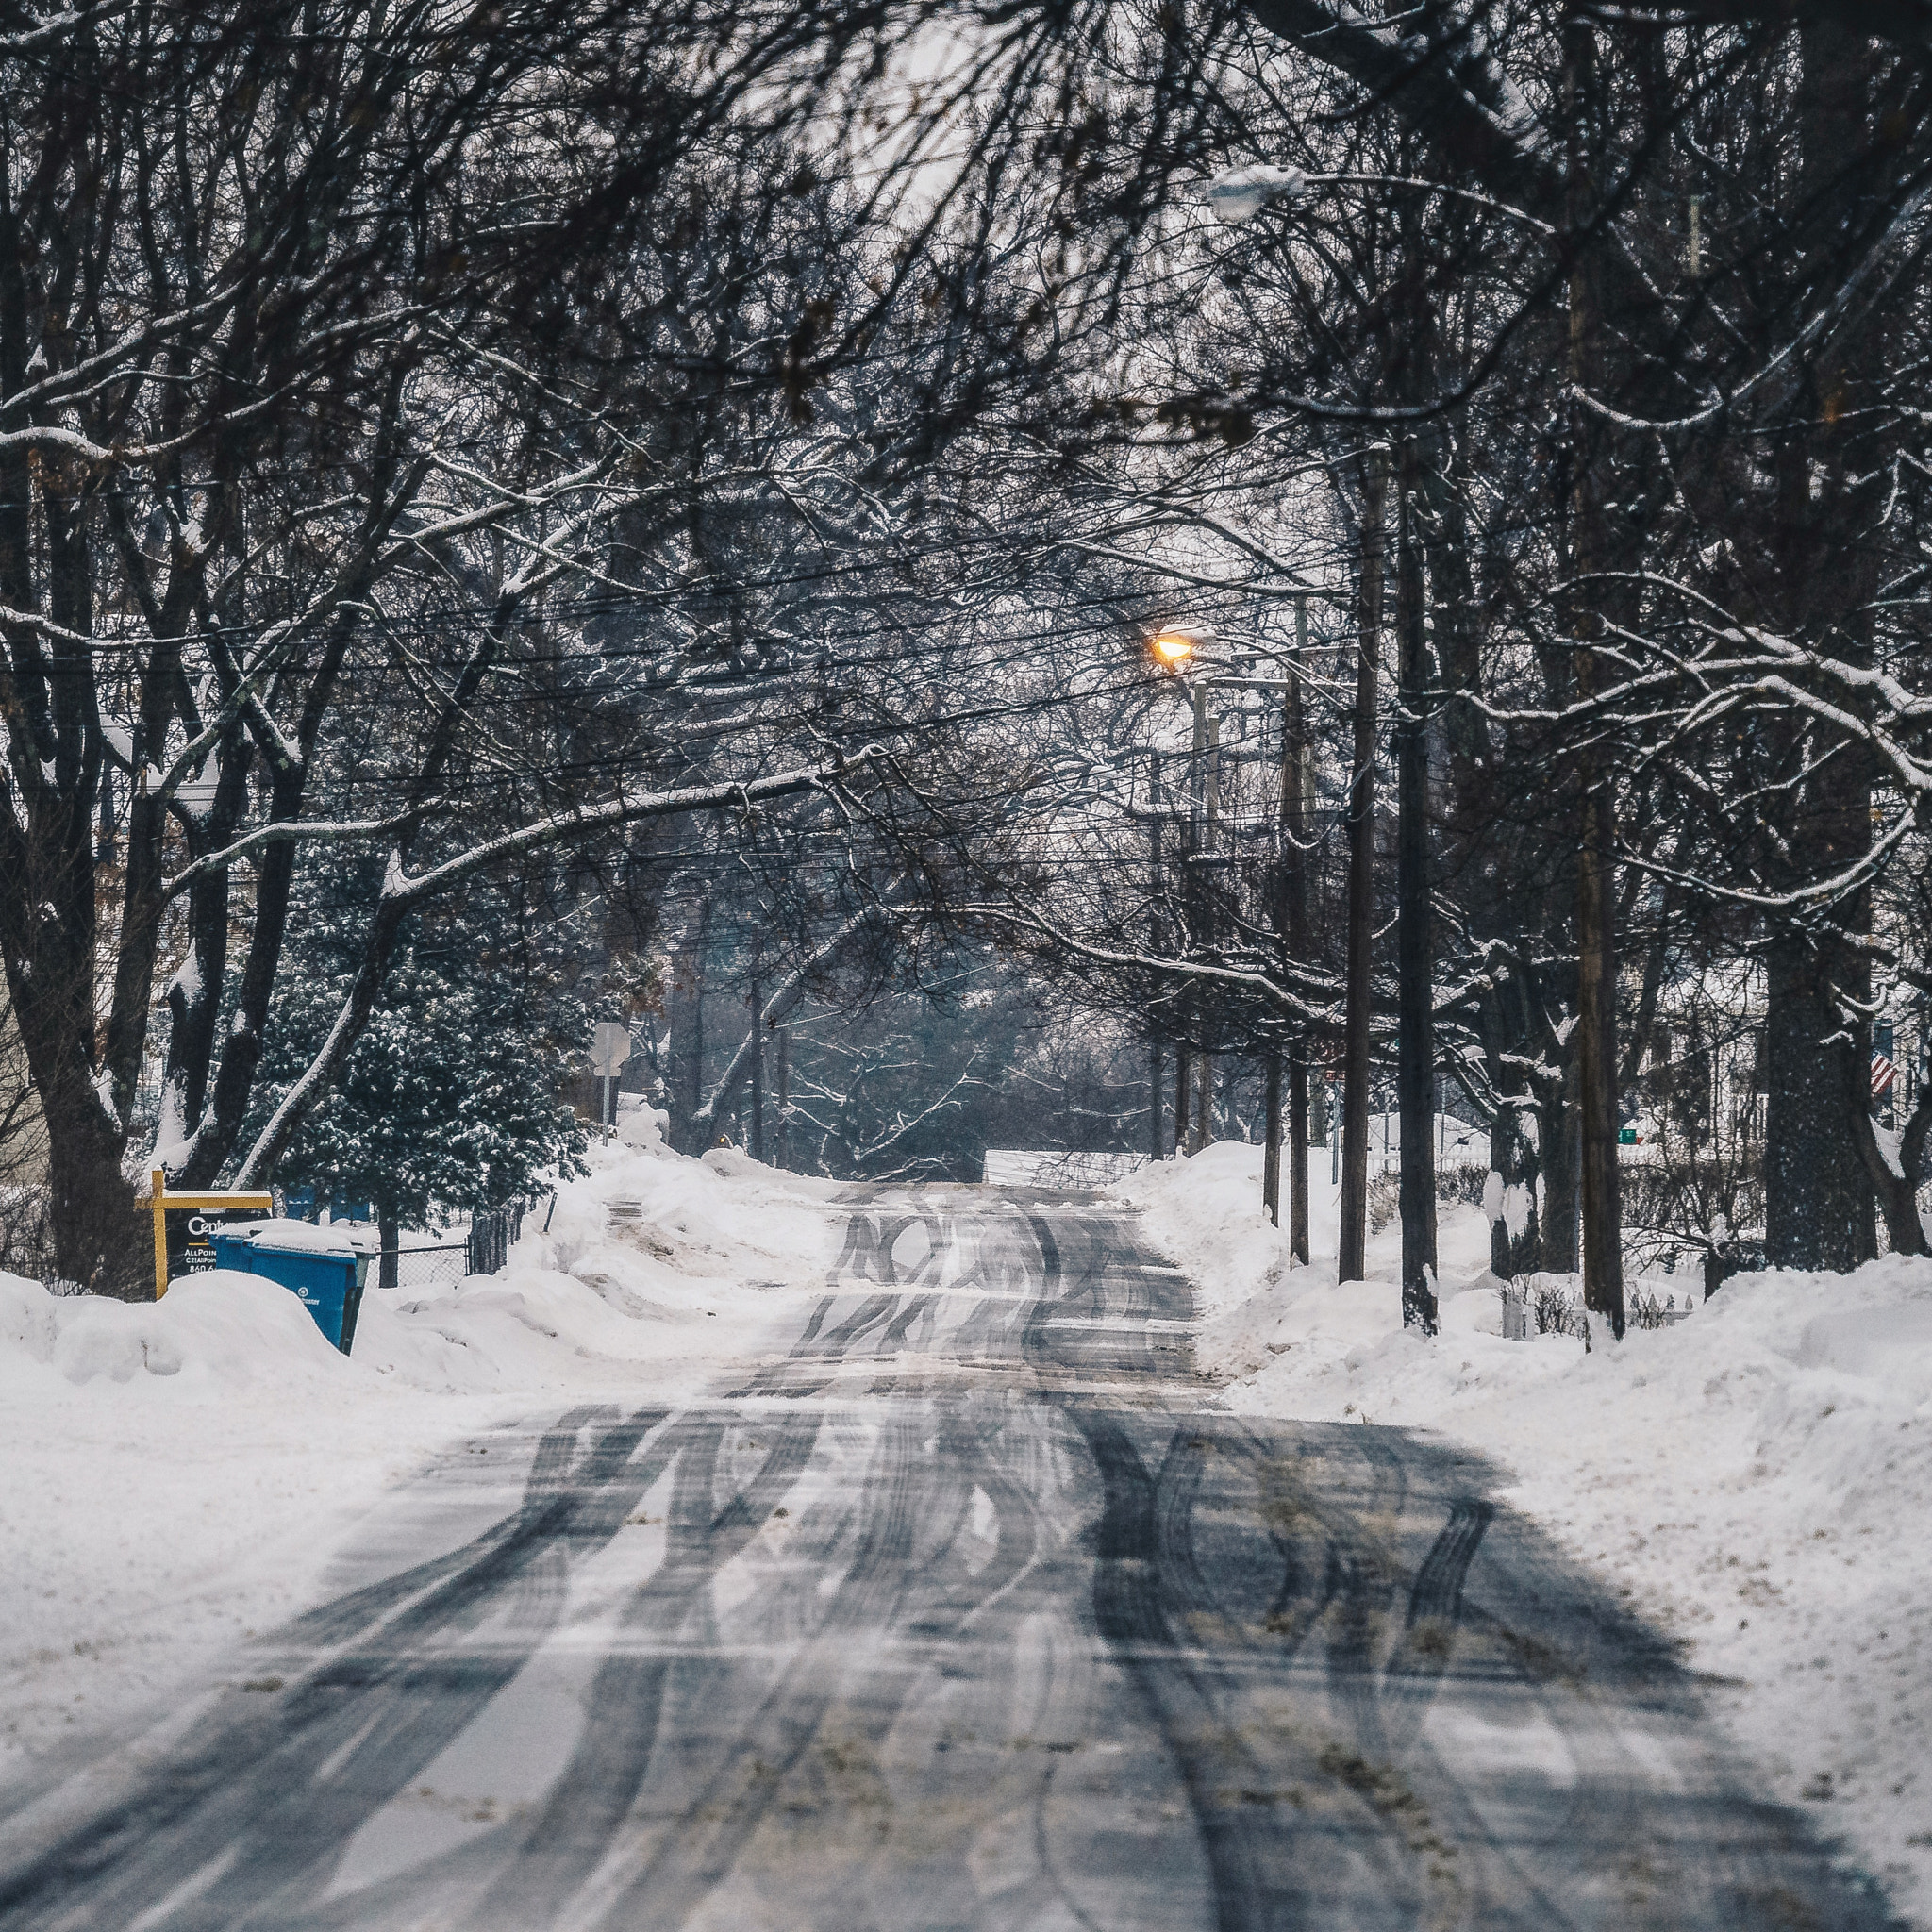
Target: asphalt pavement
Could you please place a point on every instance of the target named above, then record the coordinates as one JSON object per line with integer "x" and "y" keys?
{"x": 973, "y": 1611}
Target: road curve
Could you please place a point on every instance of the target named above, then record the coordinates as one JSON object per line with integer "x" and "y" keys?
{"x": 971, "y": 1611}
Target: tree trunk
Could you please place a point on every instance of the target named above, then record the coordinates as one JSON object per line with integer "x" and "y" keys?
{"x": 1596, "y": 969}
{"x": 195, "y": 995}
{"x": 92, "y": 1209}
{"x": 243, "y": 1036}
{"x": 1557, "y": 1131}
{"x": 1416, "y": 1065}
{"x": 1182, "y": 1093}
{"x": 1298, "y": 1160}
{"x": 1515, "y": 1238}
{"x": 1895, "y": 1185}
{"x": 1817, "y": 1192}
{"x": 390, "y": 1225}
{"x": 1352, "y": 1245}
{"x": 1155, "y": 1146}
{"x": 688, "y": 1039}
{"x": 1596, "y": 1061}
{"x": 1819, "y": 1196}
{"x": 51, "y": 982}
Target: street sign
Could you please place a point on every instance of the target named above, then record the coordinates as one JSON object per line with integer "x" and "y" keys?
{"x": 186, "y": 1227}
{"x": 609, "y": 1049}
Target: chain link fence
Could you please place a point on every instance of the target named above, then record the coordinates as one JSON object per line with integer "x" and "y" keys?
{"x": 442, "y": 1266}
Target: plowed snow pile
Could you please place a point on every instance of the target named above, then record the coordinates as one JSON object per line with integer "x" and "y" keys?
{"x": 175, "y": 1474}
{"x": 1757, "y": 1478}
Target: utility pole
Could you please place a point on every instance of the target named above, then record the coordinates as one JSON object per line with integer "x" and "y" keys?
{"x": 784, "y": 1122}
{"x": 1204, "y": 1072}
{"x": 1204, "y": 801}
{"x": 1290, "y": 926}
{"x": 1270, "y": 1141}
{"x": 1197, "y": 767}
{"x": 1416, "y": 1060}
{"x": 757, "y": 1071}
{"x": 1352, "y": 1247}
{"x": 1296, "y": 775}
{"x": 1155, "y": 1148}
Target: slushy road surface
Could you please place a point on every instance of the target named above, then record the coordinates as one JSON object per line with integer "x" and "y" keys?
{"x": 973, "y": 1611}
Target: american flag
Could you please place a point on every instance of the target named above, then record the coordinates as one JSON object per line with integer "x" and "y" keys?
{"x": 1883, "y": 1073}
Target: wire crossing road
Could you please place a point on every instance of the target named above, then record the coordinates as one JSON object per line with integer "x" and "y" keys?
{"x": 971, "y": 1611}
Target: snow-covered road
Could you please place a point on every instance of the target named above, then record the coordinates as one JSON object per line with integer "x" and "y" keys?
{"x": 975, "y": 1607}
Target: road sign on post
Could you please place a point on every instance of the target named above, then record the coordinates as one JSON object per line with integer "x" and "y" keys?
{"x": 609, "y": 1049}
{"x": 186, "y": 1227}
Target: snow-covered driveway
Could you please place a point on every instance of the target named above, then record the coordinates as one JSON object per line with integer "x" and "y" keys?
{"x": 973, "y": 1607}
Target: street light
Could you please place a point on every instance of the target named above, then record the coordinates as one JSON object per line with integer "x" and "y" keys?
{"x": 1174, "y": 651}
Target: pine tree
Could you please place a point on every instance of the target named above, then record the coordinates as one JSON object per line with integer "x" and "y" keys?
{"x": 450, "y": 1098}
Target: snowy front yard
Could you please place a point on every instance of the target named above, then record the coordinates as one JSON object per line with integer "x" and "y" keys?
{"x": 1754, "y": 1478}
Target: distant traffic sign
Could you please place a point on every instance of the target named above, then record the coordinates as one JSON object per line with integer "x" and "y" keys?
{"x": 609, "y": 1049}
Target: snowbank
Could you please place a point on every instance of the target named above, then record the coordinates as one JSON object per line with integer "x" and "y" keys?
{"x": 656, "y": 1262}
{"x": 215, "y": 1330}
{"x": 1754, "y": 1478}
{"x": 175, "y": 1474}
{"x": 1206, "y": 1212}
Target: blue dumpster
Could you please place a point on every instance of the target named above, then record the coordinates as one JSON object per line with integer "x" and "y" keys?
{"x": 328, "y": 1280}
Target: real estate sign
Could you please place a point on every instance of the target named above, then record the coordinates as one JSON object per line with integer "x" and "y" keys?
{"x": 186, "y": 1227}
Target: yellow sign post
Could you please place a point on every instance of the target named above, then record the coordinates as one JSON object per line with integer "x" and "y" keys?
{"x": 185, "y": 1226}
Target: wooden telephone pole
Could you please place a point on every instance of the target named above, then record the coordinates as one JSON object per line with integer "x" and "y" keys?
{"x": 1352, "y": 1248}
{"x": 1292, "y": 923}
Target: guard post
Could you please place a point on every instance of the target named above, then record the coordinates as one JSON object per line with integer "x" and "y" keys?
{"x": 186, "y": 1227}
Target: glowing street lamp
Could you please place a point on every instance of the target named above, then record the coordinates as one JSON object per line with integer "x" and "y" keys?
{"x": 1172, "y": 649}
